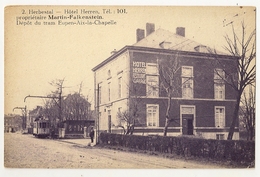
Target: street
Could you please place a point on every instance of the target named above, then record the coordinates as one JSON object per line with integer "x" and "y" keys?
{"x": 26, "y": 151}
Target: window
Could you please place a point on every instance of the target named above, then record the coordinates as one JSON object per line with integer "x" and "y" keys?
{"x": 187, "y": 82}
{"x": 219, "y": 85}
{"x": 219, "y": 74}
{"x": 152, "y": 86}
{"x": 219, "y": 117}
{"x": 108, "y": 73}
{"x": 152, "y": 80}
{"x": 220, "y": 136}
{"x": 152, "y": 115}
{"x": 109, "y": 94}
{"x": 219, "y": 91}
{"x": 152, "y": 68}
{"x": 119, "y": 87}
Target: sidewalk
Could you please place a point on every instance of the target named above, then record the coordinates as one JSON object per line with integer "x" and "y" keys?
{"x": 81, "y": 142}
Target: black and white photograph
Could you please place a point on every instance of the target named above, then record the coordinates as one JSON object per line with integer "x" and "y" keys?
{"x": 129, "y": 87}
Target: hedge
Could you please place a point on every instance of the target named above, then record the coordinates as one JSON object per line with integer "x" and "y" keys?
{"x": 239, "y": 151}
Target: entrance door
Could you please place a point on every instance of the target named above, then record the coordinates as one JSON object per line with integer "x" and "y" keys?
{"x": 109, "y": 121}
{"x": 187, "y": 124}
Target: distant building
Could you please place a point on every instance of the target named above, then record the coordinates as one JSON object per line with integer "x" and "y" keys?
{"x": 12, "y": 123}
{"x": 32, "y": 115}
{"x": 202, "y": 105}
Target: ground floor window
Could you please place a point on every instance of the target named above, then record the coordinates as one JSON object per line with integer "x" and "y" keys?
{"x": 219, "y": 116}
{"x": 152, "y": 115}
{"x": 220, "y": 136}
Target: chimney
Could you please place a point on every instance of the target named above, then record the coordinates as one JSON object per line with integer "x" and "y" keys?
{"x": 113, "y": 52}
{"x": 139, "y": 34}
{"x": 149, "y": 28}
{"x": 180, "y": 31}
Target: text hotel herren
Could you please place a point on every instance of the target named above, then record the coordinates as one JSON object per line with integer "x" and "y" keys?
{"x": 66, "y": 17}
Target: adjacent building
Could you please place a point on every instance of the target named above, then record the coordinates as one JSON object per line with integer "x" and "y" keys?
{"x": 129, "y": 87}
{"x": 77, "y": 114}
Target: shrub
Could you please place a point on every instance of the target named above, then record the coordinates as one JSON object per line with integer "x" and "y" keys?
{"x": 239, "y": 151}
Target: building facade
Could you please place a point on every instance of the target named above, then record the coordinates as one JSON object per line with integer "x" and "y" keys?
{"x": 130, "y": 87}
{"x": 13, "y": 123}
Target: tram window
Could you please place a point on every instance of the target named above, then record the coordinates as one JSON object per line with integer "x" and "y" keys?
{"x": 44, "y": 125}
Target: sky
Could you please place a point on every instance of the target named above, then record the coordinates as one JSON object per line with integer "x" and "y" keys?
{"x": 36, "y": 55}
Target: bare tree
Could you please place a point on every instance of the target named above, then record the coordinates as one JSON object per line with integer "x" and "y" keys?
{"x": 170, "y": 71}
{"x": 242, "y": 48}
{"x": 127, "y": 119}
{"x": 51, "y": 111}
{"x": 58, "y": 83}
{"x": 72, "y": 106}
{"x": 169, "y": 83}
{"x": 247, "y": 111}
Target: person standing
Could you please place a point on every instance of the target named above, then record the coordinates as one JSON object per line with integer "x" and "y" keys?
{"x": 91, "y": 134}
{"x": 52, "y": 133}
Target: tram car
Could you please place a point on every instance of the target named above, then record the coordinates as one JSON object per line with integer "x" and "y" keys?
{"x": 41, "y": 128}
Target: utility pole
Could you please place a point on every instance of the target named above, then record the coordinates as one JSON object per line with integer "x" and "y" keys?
{"x": 97, "y": 113}
{"x": 51, "y": 97}
{"x": 24, "y": 116}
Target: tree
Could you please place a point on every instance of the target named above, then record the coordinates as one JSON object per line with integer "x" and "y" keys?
{"x": 247, "y": 111}
{"x": 51, "y": 111}
{"x": 242, "y": 48}
{"x": 127, "y": 119}
{"x": 169, "y": 83}
{"x": 58, "y": 83}
{"x": 72, "y": 107}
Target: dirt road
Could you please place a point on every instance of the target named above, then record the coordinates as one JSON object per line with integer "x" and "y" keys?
{"x": 25, "y": 151}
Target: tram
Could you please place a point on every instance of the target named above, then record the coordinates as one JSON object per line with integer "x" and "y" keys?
{"x": 41, "y": 128}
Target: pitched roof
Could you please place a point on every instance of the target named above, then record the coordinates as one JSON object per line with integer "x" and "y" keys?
{"x": 165, "y": 39}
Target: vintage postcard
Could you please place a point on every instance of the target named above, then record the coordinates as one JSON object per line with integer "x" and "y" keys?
{"x": 129, "y": 87}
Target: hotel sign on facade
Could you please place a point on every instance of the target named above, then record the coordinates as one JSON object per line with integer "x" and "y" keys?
{"x": 139, "y": 72}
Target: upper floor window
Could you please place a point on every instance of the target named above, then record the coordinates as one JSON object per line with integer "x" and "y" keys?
{"x": 187, "y": 81}
{"x": 108, "y": 73}
{"x": 109, "y": 91}
{"x": 219, "y": 116}
{"x": 152, "y": 86}
{"x": 152, "y": 68}
{"x": 152, "y": 80}
{"x": 219, "y": 90}
{"x": 152, "y": 115}
{"x": 219, "y": 85}
{"x": 219, "y": 75}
